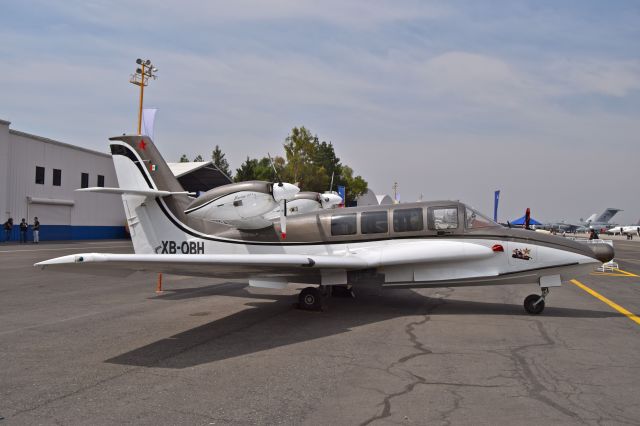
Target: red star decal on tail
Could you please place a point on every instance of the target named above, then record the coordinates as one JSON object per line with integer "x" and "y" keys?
{"x": 142, "y": 144}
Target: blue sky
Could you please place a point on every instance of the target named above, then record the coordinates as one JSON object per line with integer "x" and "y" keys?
{"x": 455, "y": 99}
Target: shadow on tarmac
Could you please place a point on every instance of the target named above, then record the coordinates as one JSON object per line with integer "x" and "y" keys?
{"x": 275, "y": 323}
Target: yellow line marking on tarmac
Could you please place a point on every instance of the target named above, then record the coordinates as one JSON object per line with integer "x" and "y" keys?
{"x": 611, "y": 303}
{"x": 616, "y": 273}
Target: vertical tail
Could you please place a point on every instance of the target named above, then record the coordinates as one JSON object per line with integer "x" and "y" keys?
{"x": 145, "y": 155}
{"x": 607, "y": 215}
{"x": 139, "y": 166}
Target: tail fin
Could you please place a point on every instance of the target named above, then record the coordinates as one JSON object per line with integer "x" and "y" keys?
{"x": 591, "y": 218}
{"x": 607, "y": 215}
{"x": 140, "y": 167}
{"x": 159, "y": 175}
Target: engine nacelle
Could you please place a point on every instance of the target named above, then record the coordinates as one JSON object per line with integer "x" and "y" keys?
{"x": 240, "y": 204}
{"x": 330, "y": 200}
{"x": 284, "y": 191}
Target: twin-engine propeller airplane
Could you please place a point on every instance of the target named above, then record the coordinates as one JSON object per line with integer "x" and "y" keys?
{"x": 425, "y": 244}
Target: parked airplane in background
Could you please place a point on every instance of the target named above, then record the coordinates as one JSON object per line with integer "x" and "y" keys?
{"x": 625, "y": 229}
{"x": 425, "y": 244}
{"x": 598, "y": 222}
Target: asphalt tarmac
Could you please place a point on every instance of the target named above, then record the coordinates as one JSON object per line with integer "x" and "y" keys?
{"x": 105, "y": 350}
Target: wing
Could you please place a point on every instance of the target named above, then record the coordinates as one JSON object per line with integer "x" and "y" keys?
{"x": 308, "y": 268}
{"x": 207, "y": 265}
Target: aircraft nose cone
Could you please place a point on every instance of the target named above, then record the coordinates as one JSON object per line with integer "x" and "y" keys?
{"x": 603, "y": 252}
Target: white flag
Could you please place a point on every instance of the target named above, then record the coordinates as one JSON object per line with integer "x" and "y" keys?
{"x": 148, "y": 118}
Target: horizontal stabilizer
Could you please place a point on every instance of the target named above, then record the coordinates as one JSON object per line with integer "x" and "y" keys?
{"x": 143, "y": 192}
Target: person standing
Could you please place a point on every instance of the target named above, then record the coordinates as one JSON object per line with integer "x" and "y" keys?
{"x": 36, "y": 230}
{"x": 8, "y": 226}
{"x": 23, "y": 230}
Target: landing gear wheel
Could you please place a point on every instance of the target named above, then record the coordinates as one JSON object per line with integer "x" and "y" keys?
{"x": 534, "y": 304}
{"x": 310, "y": 299}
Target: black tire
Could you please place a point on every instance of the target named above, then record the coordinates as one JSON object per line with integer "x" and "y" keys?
{"x": 531, "y": 307}
{"x": 341, "y": 291}
{"x": 310, "y": 299}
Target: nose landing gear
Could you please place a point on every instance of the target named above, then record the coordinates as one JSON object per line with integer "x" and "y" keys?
{"x": 534, "y": 304}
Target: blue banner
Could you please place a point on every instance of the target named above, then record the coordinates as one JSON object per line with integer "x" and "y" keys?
{"x": 496, "y": 200}
{"x": 342, "y": 193}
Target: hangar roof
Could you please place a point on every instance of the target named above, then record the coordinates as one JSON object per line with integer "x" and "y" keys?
{"x": 199, "y": 176}
{"x": 181, "y": 169}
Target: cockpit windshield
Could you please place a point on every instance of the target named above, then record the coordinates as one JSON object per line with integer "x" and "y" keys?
{"x": 475, "y": 220}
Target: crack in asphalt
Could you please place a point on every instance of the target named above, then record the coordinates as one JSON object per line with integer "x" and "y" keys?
{"x": 457, "y": 400}
{"x": 421, "y": 349}
{"x": 530, "y": 378}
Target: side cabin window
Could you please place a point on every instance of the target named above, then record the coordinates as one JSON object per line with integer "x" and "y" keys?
{"x": 374, "y": 222}
{"x": 441, "y": 218}
{"x": 405, "y": 220}
{"x": 474, "y": 219}
{"x": 344, "y": 224}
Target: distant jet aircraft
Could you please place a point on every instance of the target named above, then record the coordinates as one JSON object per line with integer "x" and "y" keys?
{"x": 598, "y": 222}
{"x": 426, "y": 244}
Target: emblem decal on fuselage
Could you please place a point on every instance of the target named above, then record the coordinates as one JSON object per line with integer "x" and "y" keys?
{"x": 524, "y": 254}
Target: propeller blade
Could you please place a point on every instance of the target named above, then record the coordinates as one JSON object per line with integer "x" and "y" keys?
{"x": 275, "y": 172}
{"x": 283, "y": 219}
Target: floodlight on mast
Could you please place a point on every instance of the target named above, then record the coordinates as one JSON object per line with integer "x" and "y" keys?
{"x": 141, "y": 78}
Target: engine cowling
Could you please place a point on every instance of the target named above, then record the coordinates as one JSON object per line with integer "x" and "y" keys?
{"x": 241, "y": 204}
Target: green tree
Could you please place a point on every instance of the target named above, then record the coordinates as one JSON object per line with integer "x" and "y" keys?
{"x": 308, "y": 163}
{"x": 198, "y": 158}
{"x": 184, "y": 158}
{"x": 254, "y": 169}
{"x": 247, "y": 170}
{"x": 217, "y": 156}
{"x": 354, "y": 185}
{"x": 299, "y": 150}
{"x": 325, "y": 158}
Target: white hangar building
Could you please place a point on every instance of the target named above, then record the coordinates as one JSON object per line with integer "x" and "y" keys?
{"x": 39, "y": 176}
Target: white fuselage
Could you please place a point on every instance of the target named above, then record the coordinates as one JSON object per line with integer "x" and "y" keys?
{"x": 629, "y": 229}
{"x": 391, "y": 257}
{"x": 156, "y": 230}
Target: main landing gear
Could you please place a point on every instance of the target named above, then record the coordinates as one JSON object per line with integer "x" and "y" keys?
{"x": 311, "y": 298}
{"x": 534, "y": 304}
